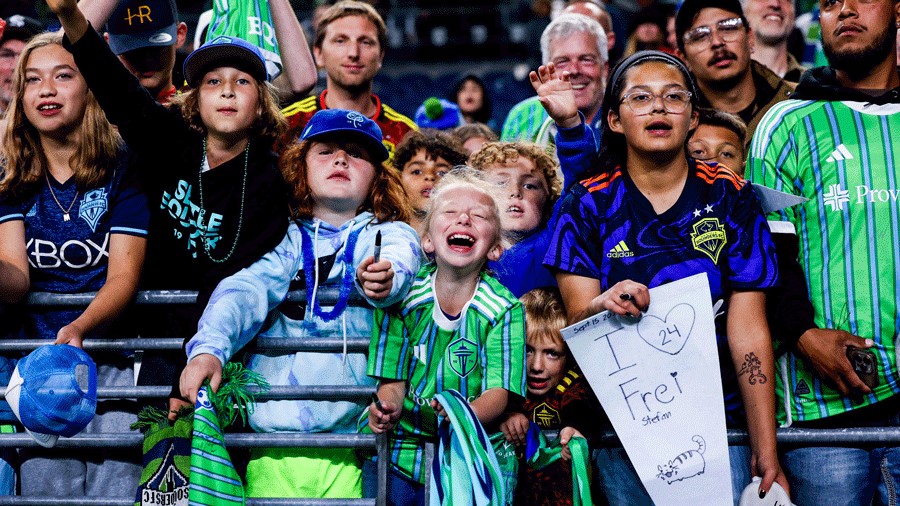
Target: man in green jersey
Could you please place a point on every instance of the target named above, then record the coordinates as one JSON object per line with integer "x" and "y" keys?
{"x": 832, "y": 143}
{"x": 577, "y": 44}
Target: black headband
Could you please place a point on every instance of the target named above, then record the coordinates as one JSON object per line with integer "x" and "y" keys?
{"x": 652, "y": 55}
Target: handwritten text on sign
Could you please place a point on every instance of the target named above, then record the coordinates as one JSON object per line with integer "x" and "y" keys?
{"x": 658, "y": 379}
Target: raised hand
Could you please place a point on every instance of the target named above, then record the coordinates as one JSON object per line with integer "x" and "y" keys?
{"x": 376, "y": 278}
{"x": 556, "y": 95}
{"x": 72, "y": 19}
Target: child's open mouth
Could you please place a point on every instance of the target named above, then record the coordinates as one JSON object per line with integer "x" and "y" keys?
{"x": 461, "y": 243}
{"x": 538, "y": 383}
{"x": 659, "y": 128}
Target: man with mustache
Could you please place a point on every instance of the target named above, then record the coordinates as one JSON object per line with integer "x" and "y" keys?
{"x": 715, "y": 41}
{"x": 833, "y": 143}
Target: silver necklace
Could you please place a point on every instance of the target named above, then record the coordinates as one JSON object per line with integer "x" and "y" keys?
{"x": 237, "y": 235}
{"x": 61, "y": 208}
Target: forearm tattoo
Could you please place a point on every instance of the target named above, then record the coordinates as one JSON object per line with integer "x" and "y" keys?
{"x": 753, "y": 366}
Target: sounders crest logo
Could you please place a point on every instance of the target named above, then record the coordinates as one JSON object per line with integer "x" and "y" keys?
{"x": 462, "y": 355}
{"x": 709, "y": 237}
{"x": 93, "y": 206}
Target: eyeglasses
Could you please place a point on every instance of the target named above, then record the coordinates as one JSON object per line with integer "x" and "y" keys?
{"x": 728, "y": 30}
{"x": 642, "y": 102}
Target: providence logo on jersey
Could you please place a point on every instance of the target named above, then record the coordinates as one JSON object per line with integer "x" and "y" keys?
{"x": 837, "y": 197}
{"x": 192, "y": 224}
{"x": 93, "y": 206}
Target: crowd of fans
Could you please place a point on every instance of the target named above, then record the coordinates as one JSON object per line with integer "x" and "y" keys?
{"x": 461, "y": 246}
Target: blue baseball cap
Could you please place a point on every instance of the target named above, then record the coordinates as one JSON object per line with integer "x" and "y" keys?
{"x": 53, "y": 392}
{"x": 352, "y": 125}
{"x": 225, "y": 51}
{"x": 142, "y": 23}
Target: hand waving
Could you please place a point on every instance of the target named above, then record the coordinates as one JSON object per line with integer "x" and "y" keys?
{"x": 556, "y": 95}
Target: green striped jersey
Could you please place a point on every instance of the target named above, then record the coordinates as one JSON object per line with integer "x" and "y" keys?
{"x": 484, "y": 348}
{"x": 842, "y": 156}
{"x": 524, "y": 120}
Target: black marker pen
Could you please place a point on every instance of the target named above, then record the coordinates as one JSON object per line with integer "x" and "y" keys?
{"x": 377, "y": 250}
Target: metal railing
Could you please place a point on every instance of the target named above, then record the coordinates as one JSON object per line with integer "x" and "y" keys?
{"x": 241, "y": 440}
{"x": 785, "y": 436}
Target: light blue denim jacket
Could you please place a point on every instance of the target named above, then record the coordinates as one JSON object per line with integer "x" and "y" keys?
{"x": 242, "y": 304}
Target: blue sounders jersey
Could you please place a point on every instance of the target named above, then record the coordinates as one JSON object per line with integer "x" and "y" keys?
{"x": 71, "y": 256}
{"x": 608, "y": 230}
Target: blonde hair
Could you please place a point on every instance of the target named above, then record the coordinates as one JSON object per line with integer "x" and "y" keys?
{"x": 545, "y": 316}
{"x": 23, "y": 159}
{"x": 270, "y": 123}
{"x": 463, "y": 176}
{"x": 500, "y": 153}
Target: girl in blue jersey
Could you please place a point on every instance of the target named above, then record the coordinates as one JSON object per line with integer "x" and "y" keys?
{"x": 629, "y": 228}
{"x": 344, "y": 197}
{"x": 71, "y": 221}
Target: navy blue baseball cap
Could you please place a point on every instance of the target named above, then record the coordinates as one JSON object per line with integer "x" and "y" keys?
{"x": 19, "y": 27}
{"x": 136, "y": 24}
{"x": 224, "y": 51}
{"x": 350, "y": 124}
{"x": 53, "y": 392}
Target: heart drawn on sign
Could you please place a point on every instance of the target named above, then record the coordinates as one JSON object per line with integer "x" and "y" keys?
{"x": 668, "y": 335}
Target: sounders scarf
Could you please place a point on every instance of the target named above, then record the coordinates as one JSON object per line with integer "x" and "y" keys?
{"x": 213, "y": 479}
{"x": 249, "y": 20}
{"x": 180, "y": 469}
{"x": 465, "y": 470}
{"x": 540, "y": 454}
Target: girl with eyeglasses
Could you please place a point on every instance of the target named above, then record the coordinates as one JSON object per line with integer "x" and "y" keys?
{"x": 652, "y": 197}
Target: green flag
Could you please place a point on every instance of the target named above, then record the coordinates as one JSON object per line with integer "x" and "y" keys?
{"x": 250, "y": 20}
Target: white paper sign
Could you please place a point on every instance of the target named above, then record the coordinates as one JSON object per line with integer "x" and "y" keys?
{"x": 658, "y": 380}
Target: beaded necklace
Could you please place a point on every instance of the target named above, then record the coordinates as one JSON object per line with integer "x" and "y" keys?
{"x": 309, "y": 268}
{"x": 237, "y": 235}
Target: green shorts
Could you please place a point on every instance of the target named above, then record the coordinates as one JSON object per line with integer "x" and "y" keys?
{"x": 304, "y": 472}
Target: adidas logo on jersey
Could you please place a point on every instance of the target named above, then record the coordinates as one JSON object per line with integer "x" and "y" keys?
{"x": 840, "y": 154}
{"x": 620, "y": 251}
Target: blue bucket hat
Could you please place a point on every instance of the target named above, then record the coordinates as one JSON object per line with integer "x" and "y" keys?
{"x": 225, "y": 51}
{"x": 142, "y": 23}
{"x": 350, "y": 124}
{"x": 53, "y": 392}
